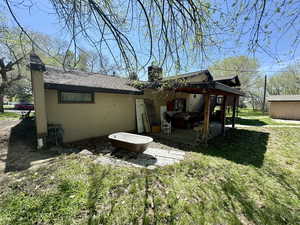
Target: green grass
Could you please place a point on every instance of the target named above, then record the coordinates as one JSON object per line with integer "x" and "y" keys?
{"x": 9, "y": 115}
{"x": 248, "y": 177}
{"x": 260, "y": 121}
{"x": 249, "y": 112}
{"x": 257, "y": 118}
{"x": 9, "y": 106}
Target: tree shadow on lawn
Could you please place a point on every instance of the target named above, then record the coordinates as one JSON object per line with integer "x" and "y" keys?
{"x": 241, "y": 146}
{"x": 250, "y": 122}
{"x": 21, "y": 149}
{"x": 246, "y": 147}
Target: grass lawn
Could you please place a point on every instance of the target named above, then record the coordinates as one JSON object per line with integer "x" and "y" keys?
{"x": 9, "y": 106}
{"x": 249, "y": 112}
{"x": 256, "y": 118}
{"x": 248, "y": 177}
{"x": 9, "y": 115}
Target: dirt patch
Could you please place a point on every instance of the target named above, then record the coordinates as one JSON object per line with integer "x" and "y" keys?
{"x": 17, "y": 146}
{"x": 151, "y": 158}
{"x": 158, "y": 154}
{"x": 5, "y": 126}
{"x": 97, "y": 145}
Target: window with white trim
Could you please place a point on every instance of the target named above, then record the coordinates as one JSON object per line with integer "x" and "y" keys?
{"x": 76, "y": 97}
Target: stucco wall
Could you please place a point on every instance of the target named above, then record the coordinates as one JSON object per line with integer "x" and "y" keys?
{"x": 195, "y": 102}
{"x": 110, "y": 113}
{"x": 285, "y": 110}
{"x": 39, "y": 102}
{"x": 160, "y": 98}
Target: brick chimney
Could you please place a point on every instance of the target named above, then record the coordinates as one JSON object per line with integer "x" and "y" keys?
{"x": 154, "y": 73}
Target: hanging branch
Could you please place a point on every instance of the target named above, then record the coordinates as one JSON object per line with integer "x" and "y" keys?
{"x": 171, "y": 32}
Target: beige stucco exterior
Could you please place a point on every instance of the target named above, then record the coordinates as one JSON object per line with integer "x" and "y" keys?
{"x": 110, "y": 113}
{"x": 160, "y": 98}
{"x": 39, "y": 102}
{"x": 284, "y": 110}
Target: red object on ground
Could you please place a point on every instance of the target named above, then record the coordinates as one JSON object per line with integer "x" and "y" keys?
{"x": 24, "y": 106}
{"x": 170, "y": 106}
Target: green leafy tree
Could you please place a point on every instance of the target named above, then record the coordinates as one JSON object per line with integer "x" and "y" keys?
{"x": 247, "y": 70}
{"x": 83, "y": 60}
{"x": 286, "y": 82}
{"x": 244, "y": 67}
{"x": 10, "y": 63}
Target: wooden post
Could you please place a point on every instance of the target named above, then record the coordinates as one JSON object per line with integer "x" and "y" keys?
{"x": 223, "y": 114}
{"x": 264, "y": 99}
{"x": 206, "y": 118}
{"x": 233, "y": 111}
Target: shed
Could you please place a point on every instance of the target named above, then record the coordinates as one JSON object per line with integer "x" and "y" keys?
{"x": 284, "y": 107}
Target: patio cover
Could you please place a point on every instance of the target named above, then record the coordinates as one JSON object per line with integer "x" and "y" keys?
{"x": 207, "y": 89}
{"x": 213, "y": 87}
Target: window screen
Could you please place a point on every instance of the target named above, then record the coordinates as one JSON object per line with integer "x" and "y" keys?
{"x": 76, "y": 97}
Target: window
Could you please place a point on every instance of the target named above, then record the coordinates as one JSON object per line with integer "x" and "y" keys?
{"x": 76, "y": 97}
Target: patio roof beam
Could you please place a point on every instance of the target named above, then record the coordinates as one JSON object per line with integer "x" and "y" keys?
{"x": 209, "y": 88}
{"x": 233, "y": 111}
{"x": 223, "y": 113}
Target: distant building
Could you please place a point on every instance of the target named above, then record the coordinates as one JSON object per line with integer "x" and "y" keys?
{"x": 284, "y": 107}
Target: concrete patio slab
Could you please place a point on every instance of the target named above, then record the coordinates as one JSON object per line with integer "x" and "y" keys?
{"x": 151, "y": 158}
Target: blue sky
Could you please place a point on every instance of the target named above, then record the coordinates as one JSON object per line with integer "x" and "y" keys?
{"x": 41, "y": 18}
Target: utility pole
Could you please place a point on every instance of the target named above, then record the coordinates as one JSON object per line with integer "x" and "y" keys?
{"x": 265, "y": 91}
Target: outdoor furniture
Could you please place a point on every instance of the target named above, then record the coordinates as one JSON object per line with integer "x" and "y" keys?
{"x": 166, "y": 127}
{"x": 130, "y": 142}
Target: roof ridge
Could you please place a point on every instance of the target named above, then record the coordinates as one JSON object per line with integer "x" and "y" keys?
{"x": 79, "y": 72}
{"x": 57, "y": 78}
{"x": 187, "y": 74}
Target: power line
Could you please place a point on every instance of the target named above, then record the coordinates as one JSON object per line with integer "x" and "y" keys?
{"x": 253, "y": 71}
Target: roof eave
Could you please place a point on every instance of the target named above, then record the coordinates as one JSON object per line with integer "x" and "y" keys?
{"x": 64, "y": 87}
{"x": 189, "y": 75}
{"x": 212, "y": 87}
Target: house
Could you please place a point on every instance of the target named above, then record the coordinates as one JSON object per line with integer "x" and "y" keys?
{"x": 284, "y": 107}
{"x": 89, "y": 105}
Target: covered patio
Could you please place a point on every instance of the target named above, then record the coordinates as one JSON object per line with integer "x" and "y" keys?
{"x": 224, "y": 95}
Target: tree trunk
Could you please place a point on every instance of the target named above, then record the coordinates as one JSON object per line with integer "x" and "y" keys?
{"x": 1, "y": 100}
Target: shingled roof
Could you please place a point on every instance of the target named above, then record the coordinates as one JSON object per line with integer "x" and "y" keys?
{"x": 190, "y": 75}
{"x": 58, "y": 79}
{"x": 231, "y": 81}
{"x": 284, "y": 98}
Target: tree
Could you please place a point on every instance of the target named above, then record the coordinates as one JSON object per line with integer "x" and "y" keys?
{"x": 7, "y": 81}
{"x": 247, "y": 70}
{"x": 83, "y": 60}
{"x": 14, "y": 50}
{"x": 286, "y": 82}
{"x": 244, "y": 67}
{"x": 21, "y": 90}
{"x": 16, "y": 44}
{"x": 173, "y": 32}
{"x": 7, "y": 72}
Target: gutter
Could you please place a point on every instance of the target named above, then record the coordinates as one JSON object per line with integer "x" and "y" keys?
{"x": 64, "y": 87}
